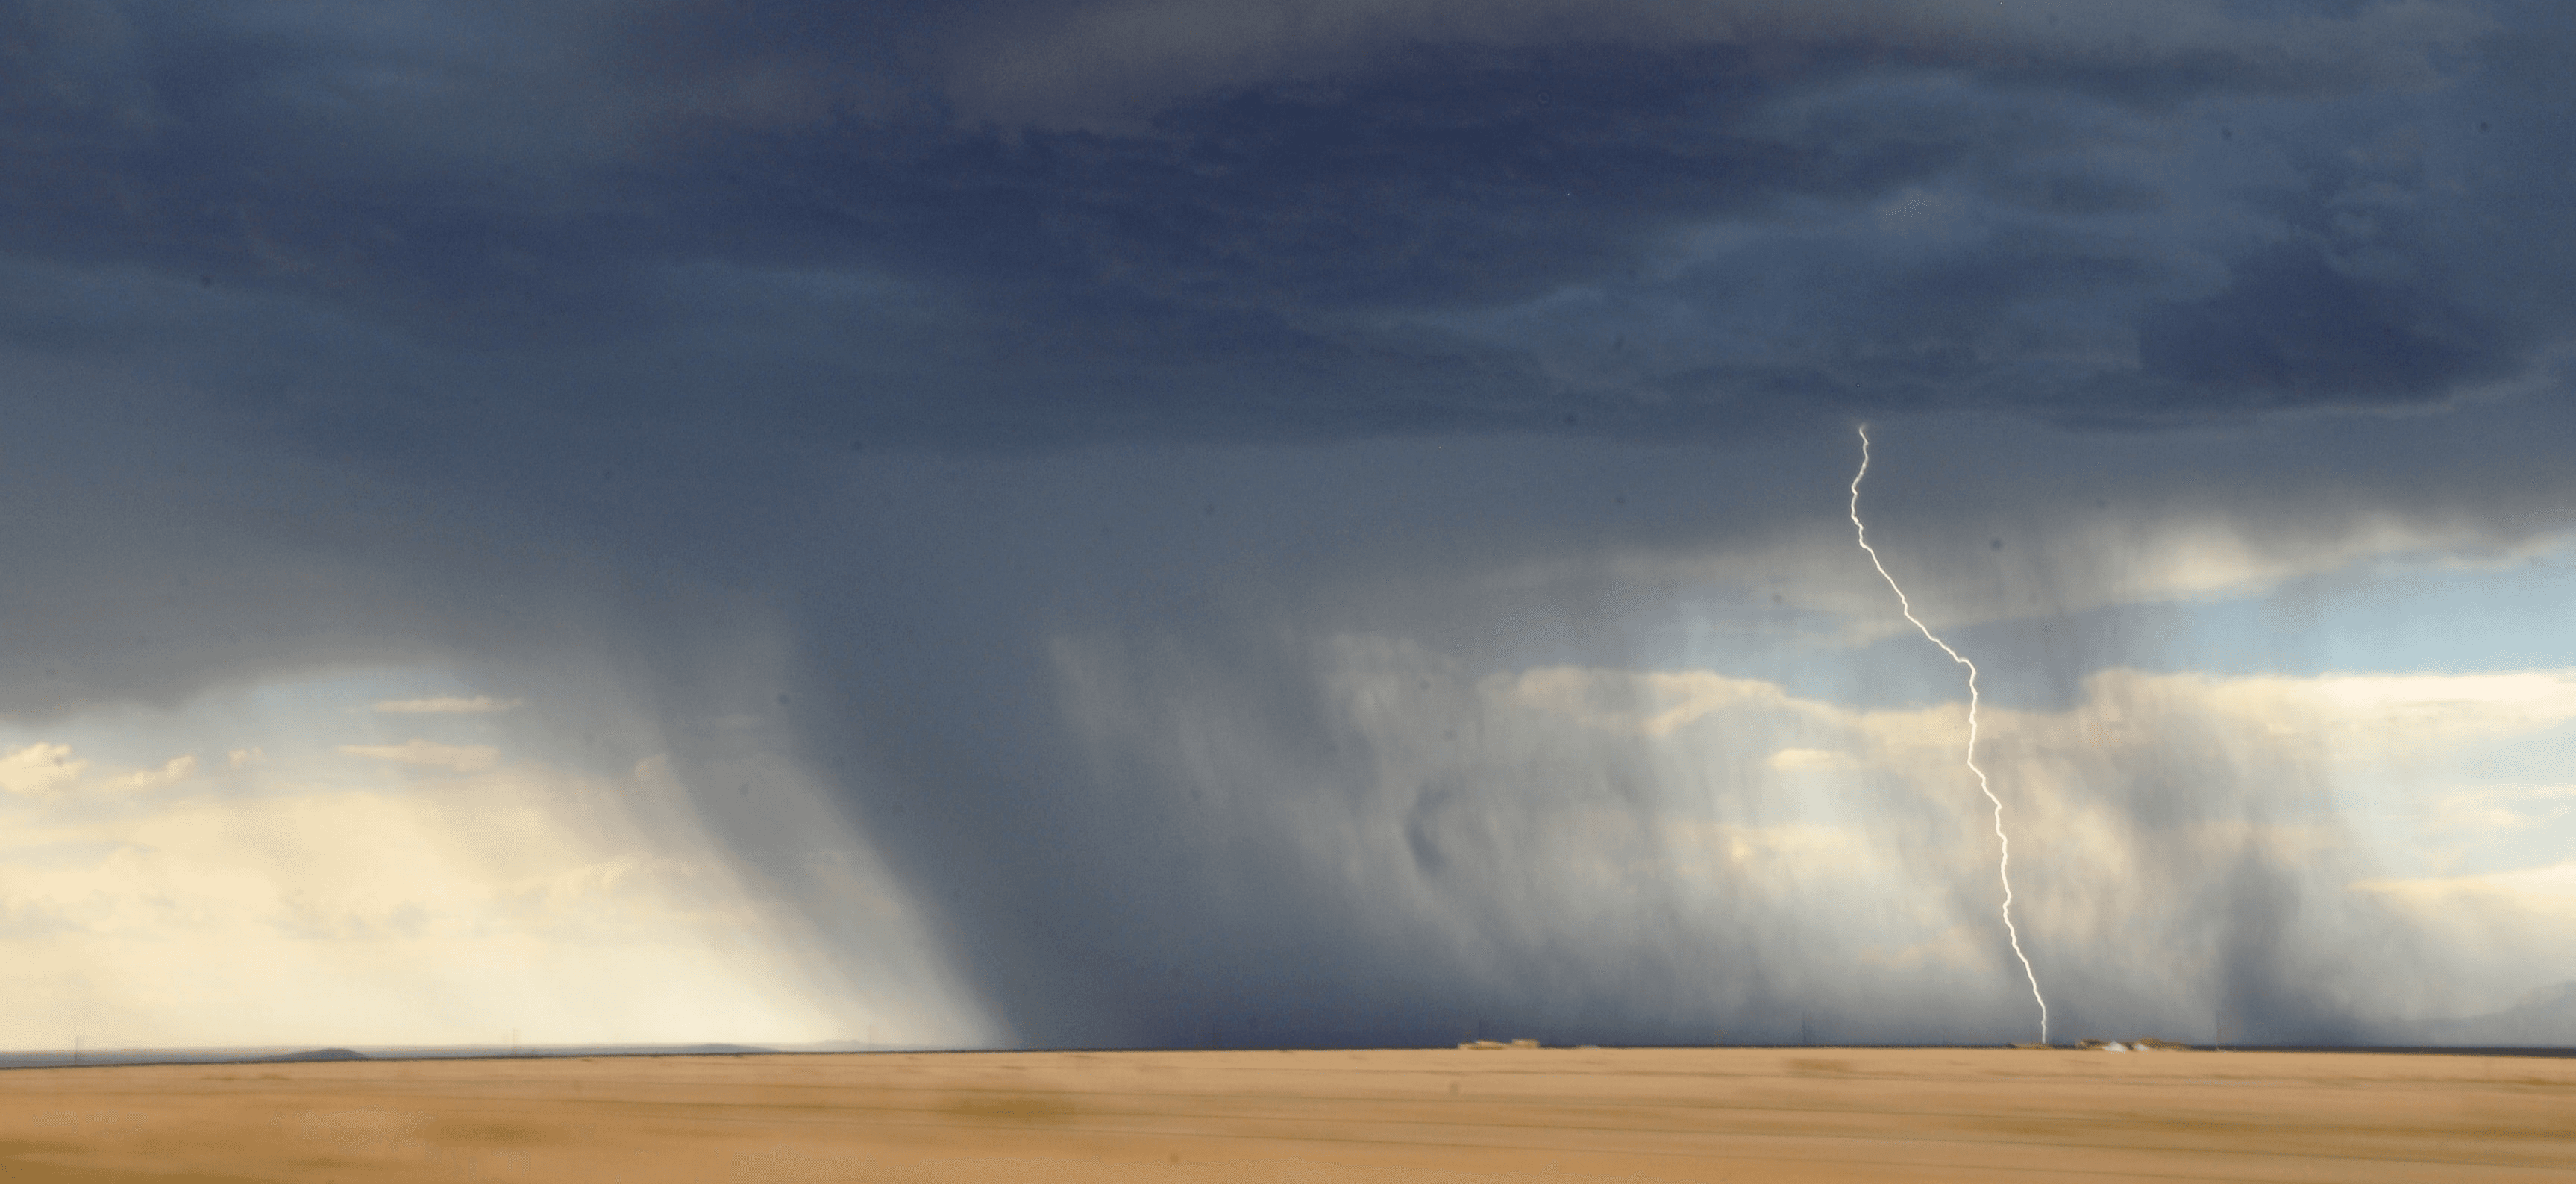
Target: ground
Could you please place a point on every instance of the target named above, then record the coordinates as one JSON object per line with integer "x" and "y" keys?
{"x": 1307, "y": 1116}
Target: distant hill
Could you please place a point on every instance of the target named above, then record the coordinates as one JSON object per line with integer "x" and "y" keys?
{"x": 321, "y": 1054}
{"x": 256, "y": 1056}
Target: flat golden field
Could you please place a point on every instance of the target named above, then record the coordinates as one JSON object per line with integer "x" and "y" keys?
{"x": 1443, "y": 1115}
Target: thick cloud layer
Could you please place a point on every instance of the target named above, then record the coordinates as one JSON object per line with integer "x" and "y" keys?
{"x": 1031, "y": 223}
{"x": 1143, "y": 465}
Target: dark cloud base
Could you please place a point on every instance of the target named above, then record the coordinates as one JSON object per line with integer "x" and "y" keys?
{"x": 2000, "y": 217}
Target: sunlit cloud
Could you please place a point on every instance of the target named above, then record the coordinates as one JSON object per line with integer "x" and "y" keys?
{"x": 2549, "y": 890}
{"x": 1810, "y": 760}
{"x": 2505, "y": 807}
{"x": 46, "y": 770}
{"x": 267, "y": 896}
{"x": 176, "y": 770}
{"x": 461, "y": 758}
{"x": 355, "y": 915}
{"x": 2175, "y": 556}
{"x": 39, "y": 770}
{"x": 2201, "y": 556}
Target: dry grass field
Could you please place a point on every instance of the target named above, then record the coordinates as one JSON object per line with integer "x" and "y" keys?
{"x": 1543, "y": 1114}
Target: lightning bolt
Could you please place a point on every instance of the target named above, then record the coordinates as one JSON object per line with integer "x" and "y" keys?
{"x": 2004, "y": 841}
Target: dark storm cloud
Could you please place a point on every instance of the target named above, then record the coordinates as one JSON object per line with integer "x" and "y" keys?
{"x": 1041, "y": 221}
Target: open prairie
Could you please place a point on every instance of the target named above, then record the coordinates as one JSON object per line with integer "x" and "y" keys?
{"x": 1486, "y": 1115}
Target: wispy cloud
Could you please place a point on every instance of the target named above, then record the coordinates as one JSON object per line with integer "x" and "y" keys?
{"x": 461, "y": 758}
{"x": 448, "y": 705}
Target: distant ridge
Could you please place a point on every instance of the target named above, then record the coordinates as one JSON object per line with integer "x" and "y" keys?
{"x": 321, "y": 1054}
{"x": 101, "y": 1058}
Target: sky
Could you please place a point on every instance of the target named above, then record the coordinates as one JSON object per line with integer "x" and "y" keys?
{"x": 1119, "y": 523}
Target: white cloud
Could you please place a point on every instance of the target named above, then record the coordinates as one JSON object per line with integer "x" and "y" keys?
{"x": 51, "y": 771}
{"x": 2495, "y": 808}
{"x": 2375, "y": 716}
{"x": 460, "y": 758}
{"x": 172, "y": 772}
{"x": 1811, "y": 760}
{"x": 448, "y": 705}
{"x": 2549, "y": 891}
{"x": 40, "y": 770}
